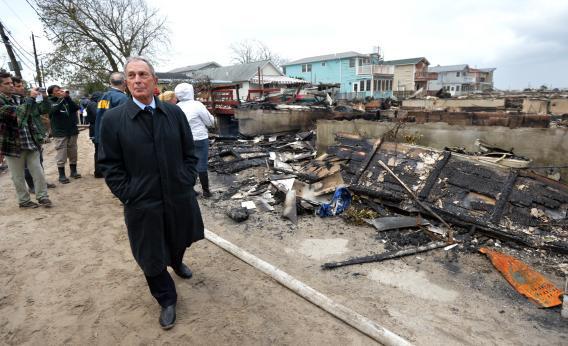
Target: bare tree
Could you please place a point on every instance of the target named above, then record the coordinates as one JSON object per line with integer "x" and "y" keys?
{"x": 248, "y": 51}
{"x": 244, "y": 52}
{"x": 94, "y": 37}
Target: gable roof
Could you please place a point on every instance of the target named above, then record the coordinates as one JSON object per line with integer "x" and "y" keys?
{"x": 235, "y": 73}
{"x": 191, "y": 68}
{"x": 410, "y": 61}
{"x": 326, "y": 57}
{"x": 171, "y": 76}
{"x": 448, "y": 68}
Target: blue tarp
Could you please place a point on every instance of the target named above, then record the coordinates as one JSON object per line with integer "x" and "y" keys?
{"x": 339, "y": 203}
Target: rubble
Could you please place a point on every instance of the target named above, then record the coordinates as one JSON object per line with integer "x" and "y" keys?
{"x": 238, "y": 214}
{"x": 418, "y": 198}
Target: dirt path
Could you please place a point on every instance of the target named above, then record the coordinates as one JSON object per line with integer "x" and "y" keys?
{"x": 67, "y": 277}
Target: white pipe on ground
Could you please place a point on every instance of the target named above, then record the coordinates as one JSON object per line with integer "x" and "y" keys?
{"x": 345, "y": 314}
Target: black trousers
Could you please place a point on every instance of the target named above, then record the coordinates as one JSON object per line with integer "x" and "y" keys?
{"x": 163, "y": 288}
{"x": 27, "y": 174}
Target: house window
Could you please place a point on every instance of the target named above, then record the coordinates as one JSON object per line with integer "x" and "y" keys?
{"x": 306, "y": 67}
{"x": 323, "y": 63}
{"x": 368, "y": 85}
{"x": 352, "y": 62}
{"x": 284, "y": 69}
{"x": 452, "y": 88}
{"x": 362, "y": 85}
{"x": 457, "y": 88}
{"x": 457, "y": 74}
{"x": 355, "y": 87}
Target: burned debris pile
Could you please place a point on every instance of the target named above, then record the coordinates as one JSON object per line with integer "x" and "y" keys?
{"x": 417, "y": 198}
{"x": 486, "y": 195}
{"x": 503, "y": 203}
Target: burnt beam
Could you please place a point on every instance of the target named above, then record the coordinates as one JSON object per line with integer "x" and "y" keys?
{"x": 504, "y": 197}
{"x": 433, "y": 177}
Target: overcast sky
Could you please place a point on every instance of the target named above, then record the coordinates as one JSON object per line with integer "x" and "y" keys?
{"x": 526, "y": 40}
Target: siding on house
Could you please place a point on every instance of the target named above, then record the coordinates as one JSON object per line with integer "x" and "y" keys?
{"x": 403, "y": 78}
{"x": 331, "y": 71}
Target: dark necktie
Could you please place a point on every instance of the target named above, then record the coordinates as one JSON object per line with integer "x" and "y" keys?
{"x": 149, "y": 109}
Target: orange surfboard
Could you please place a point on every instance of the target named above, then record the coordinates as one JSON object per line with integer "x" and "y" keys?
{"x": 525, "y": 280}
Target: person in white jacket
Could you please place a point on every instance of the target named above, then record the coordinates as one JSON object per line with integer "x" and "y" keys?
{"x": 199, "y": 120}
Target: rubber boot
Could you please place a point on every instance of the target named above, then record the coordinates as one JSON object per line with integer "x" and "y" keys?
{"x": 204, "y": 179}
{"x": 62, "y": 178}
{"x": 74, "y": 173}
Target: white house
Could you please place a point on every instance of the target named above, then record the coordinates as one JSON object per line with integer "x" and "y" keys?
{"x": 461, "y": 79}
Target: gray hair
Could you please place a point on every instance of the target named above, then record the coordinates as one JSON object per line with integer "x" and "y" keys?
{"x": 117, "y": 78}
{"x": 139, "y": 58}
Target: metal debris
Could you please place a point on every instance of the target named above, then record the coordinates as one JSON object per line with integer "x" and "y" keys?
{"x": 524, "y": 279}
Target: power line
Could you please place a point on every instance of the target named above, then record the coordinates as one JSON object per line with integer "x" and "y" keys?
{"x": 23, "y": 61}
{"x": 17, "y": 43}
{"x": 15, "y": 14}
{"x": 20, "y": 49}
{"x": 33, "y": 8}
{"x": 22, "y": 55}
{"x": 8, "y": 31}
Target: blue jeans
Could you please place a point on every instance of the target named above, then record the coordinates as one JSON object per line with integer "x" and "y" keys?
{"x": 202, "y": 153}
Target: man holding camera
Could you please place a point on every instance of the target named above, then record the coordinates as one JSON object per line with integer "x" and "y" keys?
{"x": 63, "y": 119}
{"x": 19, "y": 98}
{"x": 20, "y": 142}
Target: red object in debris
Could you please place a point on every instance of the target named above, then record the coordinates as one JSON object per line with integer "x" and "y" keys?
{"x": 524, "y": 279}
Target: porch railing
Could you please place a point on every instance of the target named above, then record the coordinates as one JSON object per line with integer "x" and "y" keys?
{"x": 375, "y": 69}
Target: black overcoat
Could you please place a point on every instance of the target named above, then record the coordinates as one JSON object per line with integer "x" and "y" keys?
{"x": 148, "y": 162}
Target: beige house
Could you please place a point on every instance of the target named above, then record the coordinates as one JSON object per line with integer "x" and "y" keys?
{"x": 410, "y": 75}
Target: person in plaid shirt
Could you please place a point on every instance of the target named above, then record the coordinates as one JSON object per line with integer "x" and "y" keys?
{"x": 20, "y": 142}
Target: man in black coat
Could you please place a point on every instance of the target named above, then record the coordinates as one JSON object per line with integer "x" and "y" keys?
{"x": 146, "y": 155}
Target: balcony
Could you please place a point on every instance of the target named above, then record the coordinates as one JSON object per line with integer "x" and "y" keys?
{"x": 375, "y": 70}
{"x": 468, "y": 80}
{"x": 425, "y": 76}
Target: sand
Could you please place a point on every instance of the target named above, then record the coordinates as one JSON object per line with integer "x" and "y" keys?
{"x": 67, "y": 277}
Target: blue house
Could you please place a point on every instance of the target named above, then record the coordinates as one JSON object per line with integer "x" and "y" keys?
{"x": 359, "y": 75}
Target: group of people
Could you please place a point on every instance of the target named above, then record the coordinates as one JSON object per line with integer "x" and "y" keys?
{"x": 150, "y": 150}
{"x": 23, "y": 133}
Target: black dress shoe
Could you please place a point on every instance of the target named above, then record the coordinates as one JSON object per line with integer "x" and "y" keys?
{"x": 168, "y": 317}
{"x": 183, "y": 272}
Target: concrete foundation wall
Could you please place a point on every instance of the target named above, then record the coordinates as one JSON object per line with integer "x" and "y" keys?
{"x": 552, "y": 106}
{"x": 265, "y": 122}
{"x": 535, "y": 106}
{"x": 559, "y": 106}
{"x": 453, "y": 103}
{"x": 546, "y": 147}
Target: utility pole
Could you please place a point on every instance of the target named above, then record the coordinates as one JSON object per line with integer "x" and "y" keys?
{"x": 38, "y": 72}
{"x": 6, "y": 41}
{"x": 42, "y": 73}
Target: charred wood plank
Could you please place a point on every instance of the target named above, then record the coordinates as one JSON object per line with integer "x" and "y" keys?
{"x": 504, "y": 197}
{"x": 239, "y": 165}
{"x": 433, "y": 177}
{"x": 306, "y": 177}
{"x": 368, "y": 159}
{"x": 383, "y": 256}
